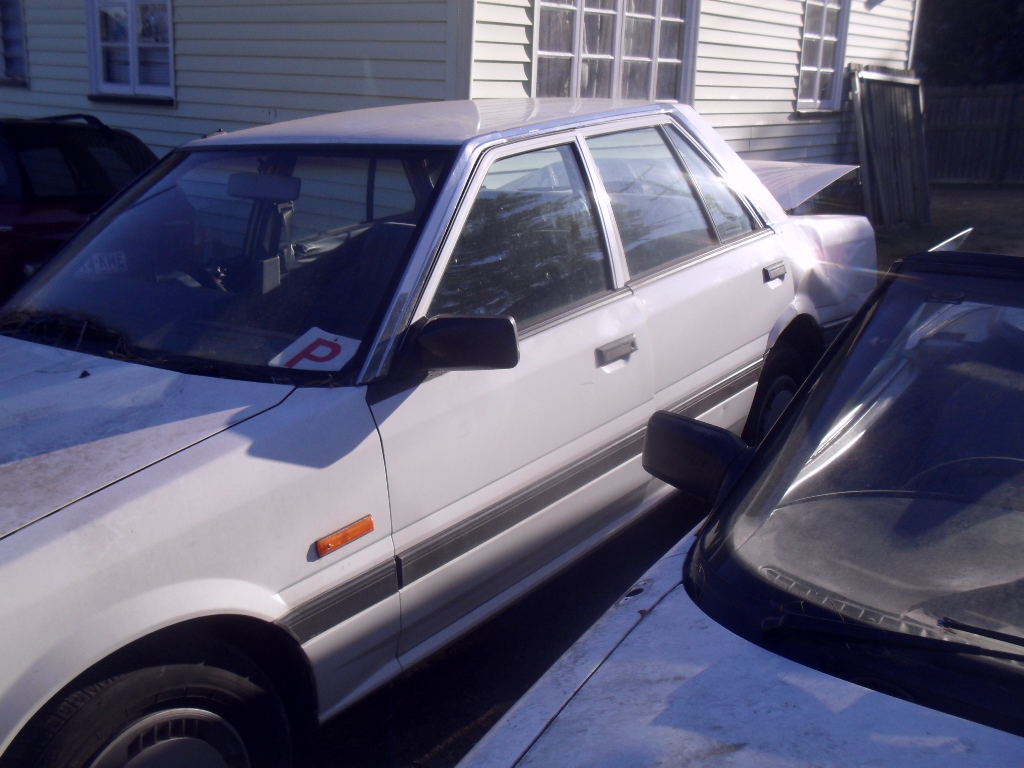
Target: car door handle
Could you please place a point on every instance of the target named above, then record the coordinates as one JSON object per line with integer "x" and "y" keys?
{"x": 616, "y": 350}
{"x": 774, "y": 271}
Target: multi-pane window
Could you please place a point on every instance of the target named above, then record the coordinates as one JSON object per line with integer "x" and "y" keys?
{"x": 12, "y": 42}
{"x": 132, "y": 47}
{"x": 633, "y": 49}
{"x": 822, "y": 53}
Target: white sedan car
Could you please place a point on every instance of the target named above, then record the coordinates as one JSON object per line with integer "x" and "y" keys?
{"x": 311, "y": 400}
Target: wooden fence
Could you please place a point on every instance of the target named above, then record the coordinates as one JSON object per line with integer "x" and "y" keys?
{"x": 975, "y": 134}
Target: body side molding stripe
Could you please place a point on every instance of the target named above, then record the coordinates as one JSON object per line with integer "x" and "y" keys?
{"x": 428, "y": 555}
{"x": 316, "y": 616}
{"x": 720, "y": 391}
{"x": 340, "y": 603}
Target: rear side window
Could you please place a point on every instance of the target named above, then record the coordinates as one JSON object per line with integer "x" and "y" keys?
{"x": 531, "y": 245}
{"x": 48, "y": 172}
{"x": 114, "y": 166}
{"x": 731, "y": 218}
{"x": 656, "y": 207}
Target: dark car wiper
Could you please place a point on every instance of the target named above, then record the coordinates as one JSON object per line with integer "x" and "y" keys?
{"x": 64, "y": 329}
{"x": 866, "y": 633}
{"x": 960, "y": 626}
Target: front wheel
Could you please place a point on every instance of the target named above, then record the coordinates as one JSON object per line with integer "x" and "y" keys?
{"x": 220, "y": 714}
{"x": 783, "y": 373}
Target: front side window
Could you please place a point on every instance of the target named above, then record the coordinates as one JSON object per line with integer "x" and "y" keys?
{"x": 531, "y": 245}
{"x": 12, "y": 42}
{"x": 822, "y": 53}
{"x": 241, "y": 263}
{"x": 655, "y": 203}
{"x": 131, "y": 47}
{"x": 631, "y": 49}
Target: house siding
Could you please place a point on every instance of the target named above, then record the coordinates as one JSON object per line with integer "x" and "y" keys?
{"x": 748, "y": 61}
{"x": 240, "y": 63}
{"x": 502, "y": 49}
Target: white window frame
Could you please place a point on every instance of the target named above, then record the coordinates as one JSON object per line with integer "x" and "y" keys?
{"x": 688, "y": 63}
{"x": 134, "y": 89}
{"x": 12, "y": 24}
{"x": 833, "y": 102}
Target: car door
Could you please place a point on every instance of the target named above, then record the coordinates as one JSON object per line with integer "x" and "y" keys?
{"x": 493, "y": 474}
{"x": 710, "y": 277}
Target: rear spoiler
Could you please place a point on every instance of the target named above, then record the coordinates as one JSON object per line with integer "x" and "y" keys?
{"x": 795, "y": 183}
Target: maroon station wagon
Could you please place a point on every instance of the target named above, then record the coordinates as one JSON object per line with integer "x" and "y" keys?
{"x": 54, "y": 174}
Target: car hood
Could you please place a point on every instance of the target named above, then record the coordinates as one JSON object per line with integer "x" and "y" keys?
{"x": 71, "y": 424}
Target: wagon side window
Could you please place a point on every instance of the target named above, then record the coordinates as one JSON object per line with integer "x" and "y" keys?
{"x": 531, "y": 245}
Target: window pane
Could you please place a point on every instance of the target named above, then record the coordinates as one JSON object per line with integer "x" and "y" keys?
{"x": 640, "y": 6}
{"x": 598, "y": 31}
{"x": 115, "y": 65}
{"x": 813, "y": 19}
{"x": 657, "y": 210}
{"x": 607, "y": 5}
{"x": 12, "y": 40}
{"x": 115, "y": 167}
{"x": 556, "y": 30}
{"x": 812, "y": 52}
{"x": 154, "y": 66}
{"x": 668, "y": 80}
{"x": 828, "y": 54}
{"x": 832, "y": 22}
{"x": 731, "y": 218}
{"x": 636, "y": 76}
{"x": 553, "y": 76}
{"x": 48, "y": 172}
{"x": 673, "y": 9}
{"x": 530, "y": 245}
{"x": 114, "y": 24}
{"x": 153, "y": 23}
{"x": 596, "y": 78}
{"x": 671, "y": 43}
{"x": 825, "y": 86}
{"x": 808, "y": 84}
{"x": 637, "y": 37}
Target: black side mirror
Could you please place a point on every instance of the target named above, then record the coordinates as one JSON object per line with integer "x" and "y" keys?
{"x": 459, "y": 343}
{"x": 693, "y": 456}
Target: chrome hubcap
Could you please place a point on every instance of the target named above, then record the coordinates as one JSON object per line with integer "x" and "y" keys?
{"x": 175, "y": 738}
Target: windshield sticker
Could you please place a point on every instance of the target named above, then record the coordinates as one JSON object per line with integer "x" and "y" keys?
{"x": 110, "y": 263}
{"x": 317, "y": 350}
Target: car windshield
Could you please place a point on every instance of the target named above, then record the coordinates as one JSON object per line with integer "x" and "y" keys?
{"x": 257, "y": 263}
{"x": 894, "y": 494}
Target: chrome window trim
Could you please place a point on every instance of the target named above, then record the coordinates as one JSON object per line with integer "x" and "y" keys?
{"x": 408, "y": 299}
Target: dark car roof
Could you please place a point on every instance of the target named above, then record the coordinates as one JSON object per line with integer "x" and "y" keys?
{"x": 963, "y": 263}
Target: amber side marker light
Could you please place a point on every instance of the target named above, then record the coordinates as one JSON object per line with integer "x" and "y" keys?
{"x": 346, "y": 535}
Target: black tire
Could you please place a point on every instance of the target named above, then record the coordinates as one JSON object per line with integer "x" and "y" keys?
{"x": 216, "y": 709}
{"x": 783, "y": 373}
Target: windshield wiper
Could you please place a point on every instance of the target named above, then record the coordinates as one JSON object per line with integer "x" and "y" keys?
{"x": 64, "y": 329}
{"x": 866, "y": 633}
{"x": 1002, "y": 637}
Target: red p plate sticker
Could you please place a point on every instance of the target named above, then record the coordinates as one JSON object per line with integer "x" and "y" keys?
{"x": 317, "y": 350}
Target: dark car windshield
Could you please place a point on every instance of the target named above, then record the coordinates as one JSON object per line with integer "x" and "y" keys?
{"x": 896, "y": 493}
{"x": 269, "y": 260}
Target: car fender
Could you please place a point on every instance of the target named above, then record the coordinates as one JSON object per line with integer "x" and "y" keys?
{"x": 801, "y": 305}
{"x": 59, "y": 660}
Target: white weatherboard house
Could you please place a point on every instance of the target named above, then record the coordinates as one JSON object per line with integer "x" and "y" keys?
{"x": 763, "y": 72}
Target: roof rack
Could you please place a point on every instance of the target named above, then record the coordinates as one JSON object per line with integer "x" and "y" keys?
{"x": 95, "y": 122}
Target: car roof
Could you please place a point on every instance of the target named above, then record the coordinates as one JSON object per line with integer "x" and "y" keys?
{"x": 445, "y": 123}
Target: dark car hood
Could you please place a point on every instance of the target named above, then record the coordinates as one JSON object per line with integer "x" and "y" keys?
{"x": 64, "y": 434}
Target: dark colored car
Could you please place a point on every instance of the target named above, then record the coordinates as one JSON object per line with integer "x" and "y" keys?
{"x": 877, "y": 532}
{"x": 54, "y": 174}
